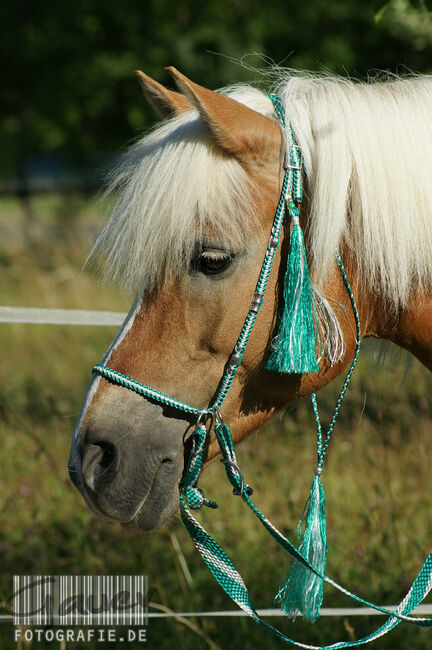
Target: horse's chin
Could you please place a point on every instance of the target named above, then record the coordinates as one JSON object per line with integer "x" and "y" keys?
{"x": 153, "y": 514}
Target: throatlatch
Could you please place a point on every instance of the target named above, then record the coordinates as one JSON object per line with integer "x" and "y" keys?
{"x": 294, "y": 351}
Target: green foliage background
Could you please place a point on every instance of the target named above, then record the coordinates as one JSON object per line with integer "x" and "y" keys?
{"x": 67, "y": 66}
{"x": 67, "y": 87}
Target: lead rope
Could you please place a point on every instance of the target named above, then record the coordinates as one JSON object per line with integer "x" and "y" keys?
{"x": 213, "y": 555}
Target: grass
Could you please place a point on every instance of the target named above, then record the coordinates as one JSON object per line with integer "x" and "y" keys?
{"x": 378, "y": 480}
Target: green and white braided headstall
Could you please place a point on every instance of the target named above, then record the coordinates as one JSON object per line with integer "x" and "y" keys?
{"x": 294, "y": 351}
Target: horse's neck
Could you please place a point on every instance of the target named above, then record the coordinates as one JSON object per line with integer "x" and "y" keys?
{"x": 413, "y": 329}
{"x": 409, "y": 327}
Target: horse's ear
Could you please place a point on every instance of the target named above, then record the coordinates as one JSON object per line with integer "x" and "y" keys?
{"x": 238, "y": 129}
{"x": 165, "y": 102}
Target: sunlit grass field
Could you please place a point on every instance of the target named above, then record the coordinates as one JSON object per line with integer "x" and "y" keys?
{"x": 378, "y": 478}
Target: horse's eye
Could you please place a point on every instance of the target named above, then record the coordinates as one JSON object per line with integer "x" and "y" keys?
{"x": 212, "y": 262}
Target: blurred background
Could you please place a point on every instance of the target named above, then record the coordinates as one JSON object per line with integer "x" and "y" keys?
{"x": 69, "y": 106}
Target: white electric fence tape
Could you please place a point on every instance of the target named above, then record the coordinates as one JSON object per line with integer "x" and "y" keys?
{"x": 421, "y": 610}
{"x": 60, "y": 316}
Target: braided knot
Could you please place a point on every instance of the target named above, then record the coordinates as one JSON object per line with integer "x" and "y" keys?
{"x": 196, "y": 499}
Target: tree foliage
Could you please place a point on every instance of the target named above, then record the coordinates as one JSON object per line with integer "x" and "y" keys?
{"x": 67, "y": 66}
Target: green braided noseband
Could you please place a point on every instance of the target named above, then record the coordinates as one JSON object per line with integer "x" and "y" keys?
{"x": 306, "y": 571}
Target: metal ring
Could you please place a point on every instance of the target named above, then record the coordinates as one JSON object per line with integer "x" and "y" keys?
{"x": 204, "y": 414}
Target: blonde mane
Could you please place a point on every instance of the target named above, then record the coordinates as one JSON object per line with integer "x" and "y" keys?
{"x": 366, "y": 150}
{"x": 172, "y": 187}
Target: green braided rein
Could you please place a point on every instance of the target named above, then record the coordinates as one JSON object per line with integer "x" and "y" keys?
{"x": 191, "y": 496}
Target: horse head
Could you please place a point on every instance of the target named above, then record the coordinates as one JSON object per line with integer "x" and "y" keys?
{"x": 195, "y": 207}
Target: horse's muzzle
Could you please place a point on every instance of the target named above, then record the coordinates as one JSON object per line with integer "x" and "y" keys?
{"x": 128, "y": 467}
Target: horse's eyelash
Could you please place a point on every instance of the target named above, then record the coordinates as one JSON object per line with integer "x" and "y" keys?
{"x": 216, "y": 256}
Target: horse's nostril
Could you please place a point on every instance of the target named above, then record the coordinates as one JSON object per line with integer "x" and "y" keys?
{"x": 99, "y": 463}
{"x": 108, "y": 457}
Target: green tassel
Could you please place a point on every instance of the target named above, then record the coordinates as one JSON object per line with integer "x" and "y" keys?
{"x": 294, "y": 349}
{"x": 302, "y": 593}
